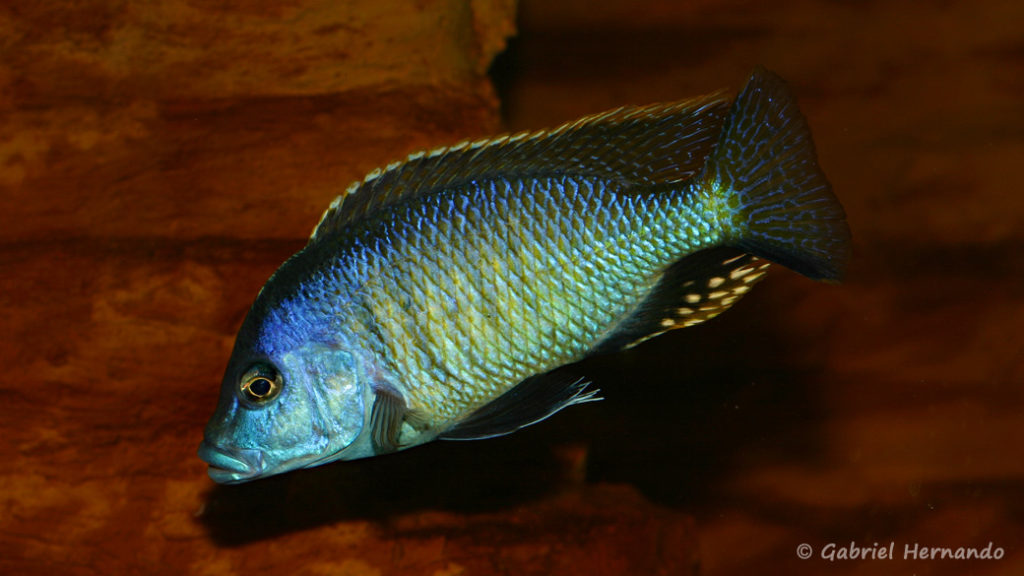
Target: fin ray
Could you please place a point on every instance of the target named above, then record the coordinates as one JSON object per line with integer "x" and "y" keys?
{"x": 765, "y": 158}
{"x": 529, "y": 402}
{"x": 386, "y": 418}
{"x": 692, "y": 291}
{"x": 638, "y": 144}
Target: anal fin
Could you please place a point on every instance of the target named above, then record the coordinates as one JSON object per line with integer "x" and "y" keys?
{"x": 529, "y": 402}
{"x": 693, "y": 290}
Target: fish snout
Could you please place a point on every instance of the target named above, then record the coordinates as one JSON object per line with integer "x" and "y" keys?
{"x": 231, "y": 466}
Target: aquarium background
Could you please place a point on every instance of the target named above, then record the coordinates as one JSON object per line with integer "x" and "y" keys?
{"x": 159, "y": 160}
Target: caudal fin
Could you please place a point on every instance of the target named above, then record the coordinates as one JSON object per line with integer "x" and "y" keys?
{"x": 765, "y": 163}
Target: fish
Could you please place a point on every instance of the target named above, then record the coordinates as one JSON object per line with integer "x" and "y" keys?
{"x": 439, "y": 297}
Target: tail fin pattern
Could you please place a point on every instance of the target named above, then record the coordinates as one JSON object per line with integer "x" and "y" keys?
{"x": 765, "y": 162}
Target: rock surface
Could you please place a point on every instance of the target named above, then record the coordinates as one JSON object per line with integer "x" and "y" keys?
{"x": 158, "y": 161}
{"x": 173, "y": 120}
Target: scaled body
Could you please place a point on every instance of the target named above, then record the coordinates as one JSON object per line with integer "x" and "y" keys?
{"x": 432, "y": 299}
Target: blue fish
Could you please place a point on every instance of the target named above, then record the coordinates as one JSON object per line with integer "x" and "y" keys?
{"x": 435, "y": 297}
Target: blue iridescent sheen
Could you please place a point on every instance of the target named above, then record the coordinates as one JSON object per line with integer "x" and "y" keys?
{"x": 439, "y": 287}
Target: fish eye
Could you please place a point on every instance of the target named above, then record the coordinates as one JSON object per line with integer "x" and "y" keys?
{"x": 260, "y": 383}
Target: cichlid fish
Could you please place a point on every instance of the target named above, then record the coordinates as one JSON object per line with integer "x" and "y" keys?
{"x": 435, "y": 297}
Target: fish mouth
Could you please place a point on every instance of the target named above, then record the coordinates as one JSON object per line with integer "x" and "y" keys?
{"x": 231, "y": 467}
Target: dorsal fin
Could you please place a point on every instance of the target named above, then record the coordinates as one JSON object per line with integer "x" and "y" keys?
{"x": 694, "y": 290}
{"x": 642, "y": 144}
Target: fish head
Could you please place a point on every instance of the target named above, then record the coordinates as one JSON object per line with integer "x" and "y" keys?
{"x": 286, "y": 403}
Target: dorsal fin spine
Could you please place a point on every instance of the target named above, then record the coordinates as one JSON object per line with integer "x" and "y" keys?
{"x": 661, "y": 139}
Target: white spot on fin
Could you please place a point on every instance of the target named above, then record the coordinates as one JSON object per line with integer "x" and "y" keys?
{"x": 733, "y": 259}
{"x": 740, "y": 272}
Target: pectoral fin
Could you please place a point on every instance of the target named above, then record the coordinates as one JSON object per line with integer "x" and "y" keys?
{"x": 529, "y": 402}
{"x": 386, "y": 416}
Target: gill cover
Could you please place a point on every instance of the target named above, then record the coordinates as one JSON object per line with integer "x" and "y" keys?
{"x": 301, "y": 409}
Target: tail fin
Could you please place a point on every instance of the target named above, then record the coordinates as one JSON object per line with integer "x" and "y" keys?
{"x": 765, "y": 162}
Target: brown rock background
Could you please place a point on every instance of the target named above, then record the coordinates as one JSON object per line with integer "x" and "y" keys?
{"x": 159, "y": 160}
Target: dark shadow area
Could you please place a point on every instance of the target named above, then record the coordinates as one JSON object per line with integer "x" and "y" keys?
{"x": 465, "y": 477}
{"x": 682, "y": 406}
{"x": 505, "y": 72}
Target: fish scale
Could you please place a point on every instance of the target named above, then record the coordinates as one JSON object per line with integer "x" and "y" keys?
{"x": 437, "y": 297}
{"x": 608, "y": 263}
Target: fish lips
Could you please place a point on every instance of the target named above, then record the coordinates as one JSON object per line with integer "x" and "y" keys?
{"x": 231, "y": 467}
